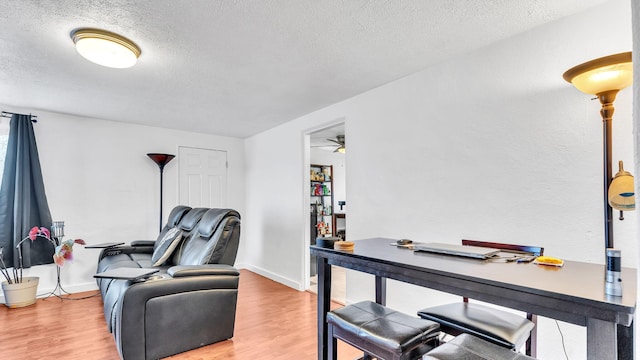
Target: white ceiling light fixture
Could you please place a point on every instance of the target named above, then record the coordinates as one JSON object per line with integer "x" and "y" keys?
{"x": 105, "y": 48}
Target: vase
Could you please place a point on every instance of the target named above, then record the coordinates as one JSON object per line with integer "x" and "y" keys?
{"x": 21, "y": 294}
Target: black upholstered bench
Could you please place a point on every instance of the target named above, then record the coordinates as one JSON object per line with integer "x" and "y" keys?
{"x": 468, "y": 347}
{"x": 497, "y": 326}
{"x": 381, "y": 332}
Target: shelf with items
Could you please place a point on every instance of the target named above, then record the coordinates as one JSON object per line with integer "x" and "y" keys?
{"x": 321, "y": 199}
{"x": 321, "y": 173}
{"x": 320, "y": 189}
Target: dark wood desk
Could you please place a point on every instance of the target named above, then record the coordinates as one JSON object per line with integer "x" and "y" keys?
{"x": 573, "y": 293}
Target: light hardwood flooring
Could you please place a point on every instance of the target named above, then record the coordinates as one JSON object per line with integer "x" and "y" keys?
{"x": 272, "y": 322}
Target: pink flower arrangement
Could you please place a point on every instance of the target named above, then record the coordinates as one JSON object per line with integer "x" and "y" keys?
{"x": 35, "y": 232}
{"x": 62, "y": 253}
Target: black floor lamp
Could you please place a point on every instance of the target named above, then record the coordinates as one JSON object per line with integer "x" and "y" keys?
{"x": 161, "y": 160}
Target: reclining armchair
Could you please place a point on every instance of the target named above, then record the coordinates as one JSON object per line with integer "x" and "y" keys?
{"x": 190, "y": 301}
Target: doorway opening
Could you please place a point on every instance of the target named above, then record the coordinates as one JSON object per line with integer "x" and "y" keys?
{"x": 327, "y": 199}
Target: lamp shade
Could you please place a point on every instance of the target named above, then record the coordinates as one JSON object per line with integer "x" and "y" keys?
{"x": 105, "y": 48}
{"x": 161, "y": 159}
{"x": 614, "y": 72}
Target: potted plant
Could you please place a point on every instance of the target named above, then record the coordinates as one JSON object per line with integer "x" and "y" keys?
{"x": 21, "y": 291}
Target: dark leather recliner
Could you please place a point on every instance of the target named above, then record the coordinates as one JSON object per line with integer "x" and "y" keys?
{"x": 190, "y": 302}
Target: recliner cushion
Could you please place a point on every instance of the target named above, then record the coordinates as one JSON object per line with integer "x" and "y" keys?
{"x": 191, "y": 219}
{"x": 206, "y": 240}
{"x": 166, "y": 246}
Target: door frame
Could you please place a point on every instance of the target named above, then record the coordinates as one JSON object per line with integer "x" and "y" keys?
{"x": 306, "y": 192}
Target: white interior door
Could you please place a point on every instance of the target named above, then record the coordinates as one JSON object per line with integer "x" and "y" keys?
{"x": 202, "y": 177}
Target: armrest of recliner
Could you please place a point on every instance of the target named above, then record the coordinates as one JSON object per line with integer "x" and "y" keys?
{"x": 202, "y": 270}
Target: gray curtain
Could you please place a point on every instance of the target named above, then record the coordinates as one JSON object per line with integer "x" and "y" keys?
{"x": 23, "y": 203}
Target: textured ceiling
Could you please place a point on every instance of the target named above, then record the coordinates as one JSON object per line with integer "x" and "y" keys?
{"x": 239, "y": 67}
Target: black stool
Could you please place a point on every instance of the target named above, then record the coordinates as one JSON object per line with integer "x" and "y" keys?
{"x": 469, "y": 347}
{"x": 491, "y": 324}
{"x": 497, "y": 326}
{"x": 380, "y": 332}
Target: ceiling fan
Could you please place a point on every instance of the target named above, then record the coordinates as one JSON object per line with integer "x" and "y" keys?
{"x": 339, "y": 141}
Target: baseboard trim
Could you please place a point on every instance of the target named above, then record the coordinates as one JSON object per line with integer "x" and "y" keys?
{"x": 270, "y": 275}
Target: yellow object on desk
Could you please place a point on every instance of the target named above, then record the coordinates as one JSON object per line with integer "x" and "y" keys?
{"x": 548, "y": 260}
{"x": 344, "y": 245}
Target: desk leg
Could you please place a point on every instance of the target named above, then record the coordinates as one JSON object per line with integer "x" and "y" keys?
{"x": 532, "y": 341}
{"x": 625, "y": 342}
{"x": 381, "y": 290}
{"x": 601, "y": 340}
{"x": 324, "y": 306}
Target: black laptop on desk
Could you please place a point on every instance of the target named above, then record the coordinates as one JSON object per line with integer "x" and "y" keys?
{"x": 476, "y": 252}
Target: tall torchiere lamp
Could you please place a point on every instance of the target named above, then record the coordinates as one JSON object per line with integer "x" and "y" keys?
{"x": 604, "y": 77}
{"x": 161, "y": 160}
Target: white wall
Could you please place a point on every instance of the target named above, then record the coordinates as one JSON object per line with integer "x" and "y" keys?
{"x": 493, "y": 145}
{"x": 100, "y": 181}
{"x": 635, "y": 6}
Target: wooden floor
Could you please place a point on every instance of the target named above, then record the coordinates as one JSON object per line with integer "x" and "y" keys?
{"x": 272, "y": 322}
